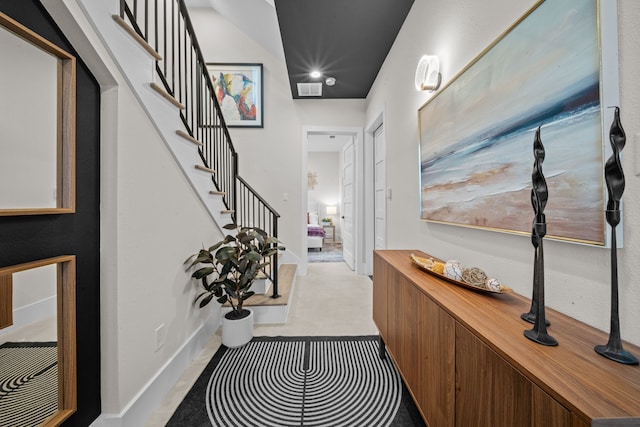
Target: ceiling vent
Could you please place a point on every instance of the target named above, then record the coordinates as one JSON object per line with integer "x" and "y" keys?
{"x": 309, "y": 89}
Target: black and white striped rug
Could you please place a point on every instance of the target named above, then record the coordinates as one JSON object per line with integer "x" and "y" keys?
{"x": 28, "y": 382}
{"x": 299, "y": 381}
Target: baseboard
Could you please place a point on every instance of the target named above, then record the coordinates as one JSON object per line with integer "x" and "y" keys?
{"x": 140, "y": 409}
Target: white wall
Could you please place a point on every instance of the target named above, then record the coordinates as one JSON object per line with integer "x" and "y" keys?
{"x": 577, "y": 277}
{"x": 160, "y": 223}
{"x": 271, "y": 159}
{"x": 151, "y": 221}
{"x": 327, "y": 191}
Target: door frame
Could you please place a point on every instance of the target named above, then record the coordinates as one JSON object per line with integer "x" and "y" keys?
{"x": 358, "y": 215}
{"x": 368, "y": 191}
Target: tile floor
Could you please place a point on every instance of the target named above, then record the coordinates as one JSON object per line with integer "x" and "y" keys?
{"x": 330, "y": 300}
{"x": 42, "y": 330}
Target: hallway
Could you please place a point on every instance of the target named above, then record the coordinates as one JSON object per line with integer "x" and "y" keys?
{"x": 330, "y": 300}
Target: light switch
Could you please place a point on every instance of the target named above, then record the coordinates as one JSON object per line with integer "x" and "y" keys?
{"x": 285, "y": 197}
{"x": 636, "y": 154}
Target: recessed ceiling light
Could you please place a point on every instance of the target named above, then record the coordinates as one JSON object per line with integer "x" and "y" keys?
{"x": 315, "y": 74}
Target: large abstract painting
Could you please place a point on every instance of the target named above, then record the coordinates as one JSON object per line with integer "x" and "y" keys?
{"x": 238, "y": 88}
{"x": 476, "y": 135}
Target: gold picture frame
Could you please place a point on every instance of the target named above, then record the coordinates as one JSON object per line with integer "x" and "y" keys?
{"x": 556, "y": 67}
{"x": 37, "y": 179}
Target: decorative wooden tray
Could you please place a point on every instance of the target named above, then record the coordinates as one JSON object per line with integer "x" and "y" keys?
{"x": 422, "y": 264}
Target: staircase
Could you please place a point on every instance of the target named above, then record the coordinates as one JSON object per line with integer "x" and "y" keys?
{"x": 192, "y": 125}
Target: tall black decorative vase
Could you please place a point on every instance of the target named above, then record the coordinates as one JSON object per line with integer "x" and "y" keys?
{"x": 614, "y": 177}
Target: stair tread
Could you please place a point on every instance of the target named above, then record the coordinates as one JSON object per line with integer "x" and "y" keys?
{"x": 205, "y": 169}
{"x": 143, "y": 43}
{"x": 286, "y": 278}
{"x": 166, "y": 95}
{"x": 188, "y": 137}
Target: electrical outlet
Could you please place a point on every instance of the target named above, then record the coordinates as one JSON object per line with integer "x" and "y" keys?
{"x": 159, "y": 335}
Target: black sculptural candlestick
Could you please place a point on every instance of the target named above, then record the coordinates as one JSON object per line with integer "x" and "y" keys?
{"x": 539, "y": 196}
{"x": 535, "y": 241}
{"x": 614, "y": 177}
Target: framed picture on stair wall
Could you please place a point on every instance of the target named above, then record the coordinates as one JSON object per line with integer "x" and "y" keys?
{"x": 238, "y": 88}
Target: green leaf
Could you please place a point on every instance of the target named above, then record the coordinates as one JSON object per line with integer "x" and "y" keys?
{"x": 207, "y": 286}
{"x": 270, "y": 252}
{"x": 214, "y": 247}
{"x": 247, "y": 295}
{"x": 226, "y": 269}
{"x": 254, "y": 256}
{"x": 259, "y": 236}
{"x": 202, "y": 257}
{"x": 246, "y": 239}
{"x": 225, "y": 253}
{"x": 243, "y": 265}
{"x": 200, "y": 296}
{"x": 223, "y": 299}
{"x": 203, "y": 272}
{"x": 206, "y": 300}
{"x": 230, "y": 227}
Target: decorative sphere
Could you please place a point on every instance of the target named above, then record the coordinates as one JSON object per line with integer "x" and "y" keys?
{"x": 493, "y": 285}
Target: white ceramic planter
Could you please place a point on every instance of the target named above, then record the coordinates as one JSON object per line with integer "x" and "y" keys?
{"x": 236, "y": 333}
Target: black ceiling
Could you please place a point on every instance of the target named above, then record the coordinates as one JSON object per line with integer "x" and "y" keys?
{"x": 344, "y": 39}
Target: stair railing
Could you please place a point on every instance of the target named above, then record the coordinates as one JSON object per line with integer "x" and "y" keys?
{"x": 165, "y": 25}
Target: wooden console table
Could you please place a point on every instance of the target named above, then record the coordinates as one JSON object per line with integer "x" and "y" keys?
{"x": 466, "y": 362}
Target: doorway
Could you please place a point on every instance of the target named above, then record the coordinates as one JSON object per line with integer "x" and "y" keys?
{"x": 331, "y": 192}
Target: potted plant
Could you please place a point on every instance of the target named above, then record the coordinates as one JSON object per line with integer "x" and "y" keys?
{"x": 327, "y": 221}
{"x": 230, "y": 267}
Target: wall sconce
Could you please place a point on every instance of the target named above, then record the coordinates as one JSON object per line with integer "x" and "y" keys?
{"x": 428, "y": 75}
{"x": 332, "y": 210}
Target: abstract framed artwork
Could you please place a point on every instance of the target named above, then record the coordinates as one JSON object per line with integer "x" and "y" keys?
{"x": 238, "y": 88}
{"x": 556, "y": 67}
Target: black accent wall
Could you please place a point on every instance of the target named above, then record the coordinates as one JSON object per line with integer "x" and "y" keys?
{"x": 30, "y": 238}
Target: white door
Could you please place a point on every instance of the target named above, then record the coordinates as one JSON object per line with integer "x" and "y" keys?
{"x": 348, "y": 185}
{"x": 379, "y": 188}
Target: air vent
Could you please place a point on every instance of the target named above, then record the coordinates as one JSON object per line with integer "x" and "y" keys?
{"x": 309, "y": 89}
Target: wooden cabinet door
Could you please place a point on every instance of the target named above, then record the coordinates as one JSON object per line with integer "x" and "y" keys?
{"x": 435, "y": 344}
{"x": 547, "y": 412}
{"x": 489, "y": 391}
